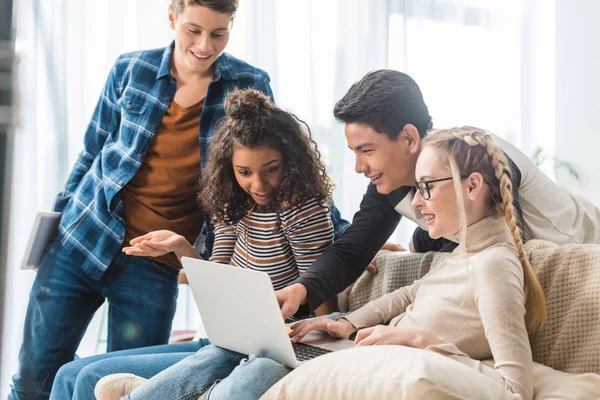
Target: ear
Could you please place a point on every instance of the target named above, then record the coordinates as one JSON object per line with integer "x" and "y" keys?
{"x": 410, "y": 134}
{"x": 474, "y": 185}
{"x": 172, "y": 17}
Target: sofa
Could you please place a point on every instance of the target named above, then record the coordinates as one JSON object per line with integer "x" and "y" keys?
{"x": 566, "y": 351}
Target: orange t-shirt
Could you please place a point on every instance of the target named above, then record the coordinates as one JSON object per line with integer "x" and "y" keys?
{"x": 162, "y": 194}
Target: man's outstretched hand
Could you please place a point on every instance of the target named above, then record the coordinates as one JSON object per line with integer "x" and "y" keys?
{"x": 290, "y": 299}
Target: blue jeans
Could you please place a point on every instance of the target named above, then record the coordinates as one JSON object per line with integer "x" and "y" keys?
{"x": 77, "y": 379}
{"x": 224, "y": 373}
{"x": 141, "y": 295}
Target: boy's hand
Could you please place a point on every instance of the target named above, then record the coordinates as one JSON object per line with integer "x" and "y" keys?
{"x": 290, "y": 298}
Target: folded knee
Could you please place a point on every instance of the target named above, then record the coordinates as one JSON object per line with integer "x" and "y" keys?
{"x": 69, "y": 370}
{"x": 212, "y": 351}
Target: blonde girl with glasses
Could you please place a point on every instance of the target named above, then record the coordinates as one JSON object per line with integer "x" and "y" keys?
{"x": 481, "y": 303}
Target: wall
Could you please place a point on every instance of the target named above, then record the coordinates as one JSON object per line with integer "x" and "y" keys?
{"x": 577, "y": 93}
{"x": 6, "y": 56}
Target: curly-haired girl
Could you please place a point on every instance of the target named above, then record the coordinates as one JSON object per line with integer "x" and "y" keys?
{"x": 266, "y": 190}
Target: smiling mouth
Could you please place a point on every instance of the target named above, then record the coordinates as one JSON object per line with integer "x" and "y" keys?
{"x": 200, "y": 57}
{"x": 375, "y": 177}
{"x": 429, "y": 217}
{"x": 262, "y": 195}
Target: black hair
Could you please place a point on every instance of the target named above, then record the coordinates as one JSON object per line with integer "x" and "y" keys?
{"x": 385, "y": 100}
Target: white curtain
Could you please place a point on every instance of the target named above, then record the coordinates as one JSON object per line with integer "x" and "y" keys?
{"x": 478, "y": 62}
{"x": 486, "y": 63}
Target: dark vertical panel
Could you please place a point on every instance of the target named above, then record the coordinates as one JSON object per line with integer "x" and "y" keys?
{"x": 6, "y": 96}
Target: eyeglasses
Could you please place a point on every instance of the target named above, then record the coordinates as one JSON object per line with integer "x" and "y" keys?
{"x": 423, "y": 187}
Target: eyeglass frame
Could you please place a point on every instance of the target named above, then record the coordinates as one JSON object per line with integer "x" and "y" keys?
{"x": 417, "y": 188}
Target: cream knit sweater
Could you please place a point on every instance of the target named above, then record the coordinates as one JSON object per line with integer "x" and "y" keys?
{"x": 474, "y": 305}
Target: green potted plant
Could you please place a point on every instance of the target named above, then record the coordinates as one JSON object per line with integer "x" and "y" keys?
{"x": 540, "y": 157}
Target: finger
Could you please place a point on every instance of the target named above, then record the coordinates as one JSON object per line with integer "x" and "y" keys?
{"x": 306, "y": 329}
{"x": 372, "y": 268}
{"x": 392, "y": 247}
{"x": 134, "y": 251}
{"x": 336, "y": 329}
{"x": 138, "y": 239}
{"x": 296, "y": 329}
{"x": 312, "y": 325}
{"x": 153, "y": 244}
{"x": 369, "y": 340}
{"x": 298, "y": 336}
{"x": 287, "y": 309}
{"x": 147, "y": 250}
{"x": 298, "y": 325}
{"x": 158, "y": 248}
{"x": 279, "y": 295}
{"x": 363, "y": 333}
{"x": 396, "y": 247}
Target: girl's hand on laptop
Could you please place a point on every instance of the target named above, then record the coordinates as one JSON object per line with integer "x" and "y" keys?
{"x": 341, "y": 328}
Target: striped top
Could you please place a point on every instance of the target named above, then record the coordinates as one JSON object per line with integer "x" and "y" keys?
{"x": 283, "y": 245}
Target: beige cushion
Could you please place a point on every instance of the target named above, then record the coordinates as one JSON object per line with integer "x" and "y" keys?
{"x": 386, "y": 372}
{"x": 570, "y": 277}
{"x": 550, "y": 384}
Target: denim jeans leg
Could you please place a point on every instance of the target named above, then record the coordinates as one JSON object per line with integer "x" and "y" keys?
{"x": 62, "y": 302}
{"x": 142, "y": 299}
{"x": 188, "y": 379}
{"x": 77, "y": 379}
{"x": 249, "y": 380}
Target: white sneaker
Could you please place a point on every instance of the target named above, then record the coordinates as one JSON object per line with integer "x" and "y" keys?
{"x": 115, "y": 386}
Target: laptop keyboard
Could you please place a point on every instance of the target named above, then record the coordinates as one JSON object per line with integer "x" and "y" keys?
{"x": 305, "y": 352}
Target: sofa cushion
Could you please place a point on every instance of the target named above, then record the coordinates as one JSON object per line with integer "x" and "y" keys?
{"x": 386, "y": 372}
{"x": 570, "y": 277}
{"x": 550, "y": 384}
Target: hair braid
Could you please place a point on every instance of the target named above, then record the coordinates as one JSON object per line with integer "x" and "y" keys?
{"x": 535, "y": 302}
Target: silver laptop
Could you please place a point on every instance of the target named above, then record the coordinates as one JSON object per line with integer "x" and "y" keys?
{"x": 240, "y": 312}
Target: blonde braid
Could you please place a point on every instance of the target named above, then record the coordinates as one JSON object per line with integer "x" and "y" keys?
{"x": 535, "y": 303}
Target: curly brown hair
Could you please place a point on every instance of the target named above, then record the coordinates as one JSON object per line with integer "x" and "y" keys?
{"x": 253, "y": 121}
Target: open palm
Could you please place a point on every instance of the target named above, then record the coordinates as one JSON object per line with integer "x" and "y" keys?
{"x": 154, "y": 244}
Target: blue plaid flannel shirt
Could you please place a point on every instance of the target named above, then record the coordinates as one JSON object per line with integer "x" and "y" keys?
{"x": 133, "y": 102}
